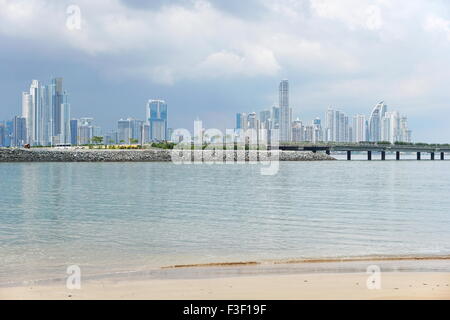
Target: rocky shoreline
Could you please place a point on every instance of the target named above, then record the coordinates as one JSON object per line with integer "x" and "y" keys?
{"x": 145, "y": 155}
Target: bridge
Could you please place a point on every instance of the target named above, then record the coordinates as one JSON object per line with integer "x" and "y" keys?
{"x": 432, "y": 150}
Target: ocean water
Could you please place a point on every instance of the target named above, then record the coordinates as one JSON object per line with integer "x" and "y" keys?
{"x": 113, "y": 217}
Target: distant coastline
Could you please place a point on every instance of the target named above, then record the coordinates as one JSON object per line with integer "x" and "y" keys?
{"x": 123, "y": 155}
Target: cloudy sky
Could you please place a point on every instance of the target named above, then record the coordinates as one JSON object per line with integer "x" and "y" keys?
{"x": 211, "y": 59}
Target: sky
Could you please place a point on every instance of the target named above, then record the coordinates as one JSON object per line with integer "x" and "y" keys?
{"x": 210, "y": 59}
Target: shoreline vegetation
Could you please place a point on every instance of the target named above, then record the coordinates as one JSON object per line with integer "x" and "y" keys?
{"x": 74, "y": 154}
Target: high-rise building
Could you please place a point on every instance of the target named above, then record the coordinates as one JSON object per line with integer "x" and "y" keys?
{"x": 64, "y": 136}
{"x": 275, "y": 118}
{"x": 359, "y": 128}
{"x": 27, "y": 113}
{"x": 74, "y": 132}
{"x": 285, "y": 112}
{"x": 252, "y": 121}
{"x": 297, "y": 131}
{"x": 375, "y": 120}
{"x": 47, "y": 113}
{"x": 19, "y": 134}
{"x": 130, "y": 130}
{"x": 317, "y": 130}
{"x": 57, "y": 101}
{"x": 85, "y": 131}
{"x": 157, "y": 120}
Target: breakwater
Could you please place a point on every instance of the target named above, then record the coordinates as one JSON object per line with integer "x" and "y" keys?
{"x": 145, "y": 155}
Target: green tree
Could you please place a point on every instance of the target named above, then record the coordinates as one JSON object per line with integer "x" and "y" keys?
{"x": 97, "y": 140}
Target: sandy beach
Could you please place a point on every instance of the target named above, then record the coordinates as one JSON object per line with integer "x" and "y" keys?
{"x": 394, "y": 285}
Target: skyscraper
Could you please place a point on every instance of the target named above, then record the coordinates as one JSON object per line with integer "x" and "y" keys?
{"x": 57, "y": 101}
{"x": 74, "y": 132}
{"x": 19, "y": 134}
{"x": 285, "y": 112}
{"x": 27, "y": 113}
{"x": 157, "y": 119}
{"x": 375, "y": 121}
{"x": 130, "y": 130}
{"x": 47, "y": 113}
{"x": 359, "y": 128}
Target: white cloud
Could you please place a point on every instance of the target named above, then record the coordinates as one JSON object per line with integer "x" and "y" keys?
{"x": 354, "y": 13}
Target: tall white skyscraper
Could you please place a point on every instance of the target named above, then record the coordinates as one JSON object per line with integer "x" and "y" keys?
{"x": 28, "y": 114}
{"x": 375, "y": 120}
{"x": 359, "y": 128}
{"x": 285, "y": 112}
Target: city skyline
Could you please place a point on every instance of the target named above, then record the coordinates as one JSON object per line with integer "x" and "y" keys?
{"x": 349, "y": 56}
{"x": 380, "y": 126}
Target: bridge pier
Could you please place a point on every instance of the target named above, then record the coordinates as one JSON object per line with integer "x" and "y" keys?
{"x": 349, "y": 155}
{"x": 442, "y": 156}
{"x": 418, "y": 155}
{"x": 397, "y": 155}
{"x": 383, "y": 155}
{"x": 369, "y": 155}
{"x": 431, "y": 155}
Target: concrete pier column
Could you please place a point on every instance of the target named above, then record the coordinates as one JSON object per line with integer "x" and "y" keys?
{"x": 432, "y": 155}
{"x": 418, "y": 155}
{"x": 349, "y": 155}
{"x": 383, "y": 155}
{"x": 397, "y": 155}
{"x": 442, "y": 156}
{"x": 369, "y": 155}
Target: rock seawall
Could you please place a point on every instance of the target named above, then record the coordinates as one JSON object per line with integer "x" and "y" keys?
{"x": 146, "y": 155}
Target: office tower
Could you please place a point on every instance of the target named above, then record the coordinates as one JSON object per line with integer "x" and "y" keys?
{"x": 386, "y": 128}
{"x": 359, "y": 128}
{"x": 27, "y": 113}
{"x": 85, "y": 131}
{"x": 317, "y": 130}
{"x": 336, "y": 128}
{"x": 329, "y": 125}
{"x": 64, "y": 136}
{"x": 169, "y": 133}
{"x": 275, "y": 118}
{"x": 130, "y": 131}
{"x": 405, "y": 133}
{"x": 111, "y": 137}
{"x": 157, "y": 119}
{"x": 240, "y": 120}
{"x": 46, "y": 119}
{"x": 74, "y": 132}
{"x": 252, "y": 121}
{"x": 285, "y": 112}
{"x": 19, "y": 132}
{"x": 309, "y": 133}
{"x": 264, "y": 116}
{"x": 390, "y": 127}
{"x": 57, "y": 101}
{"x": 297, "y": 131}
{"x": 375, "y": 121}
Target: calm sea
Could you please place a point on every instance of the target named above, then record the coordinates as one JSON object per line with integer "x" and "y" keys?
{"x": 108, "y": 217}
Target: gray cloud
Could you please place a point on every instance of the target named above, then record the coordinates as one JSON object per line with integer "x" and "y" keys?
{"x": 219, "y": 57}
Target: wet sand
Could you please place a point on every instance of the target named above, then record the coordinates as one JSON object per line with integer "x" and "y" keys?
{"x": 397, "y": 285}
